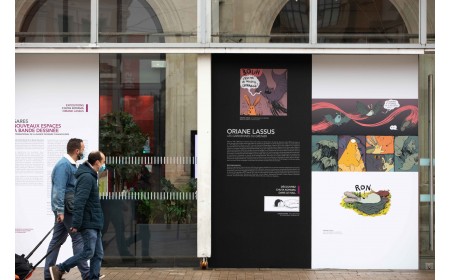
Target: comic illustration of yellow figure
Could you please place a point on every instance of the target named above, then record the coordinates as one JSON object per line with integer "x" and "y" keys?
{"x": 351, "y": 159}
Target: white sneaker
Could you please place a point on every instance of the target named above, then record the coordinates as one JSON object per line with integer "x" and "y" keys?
{"x": 55, "y": 273}
{"x": 102, "y": 276}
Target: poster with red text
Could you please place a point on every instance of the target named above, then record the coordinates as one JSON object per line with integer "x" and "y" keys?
{"x": 56, "y": 99}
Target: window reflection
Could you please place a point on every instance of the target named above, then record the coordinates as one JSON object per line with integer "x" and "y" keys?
{"x": 136, "y": 21}
{"x": 128, "y": 21}
{"x": 363, "y": 21}
{"x": 148, "y": 198}
{"x": 56, "y": 21}
{"x": 132, "y": 99}
{"x": 250, "y": 21}
{"x": 292, "y": 23}
{"x": 430, "y": 22}
{"x": 338, "y": 21}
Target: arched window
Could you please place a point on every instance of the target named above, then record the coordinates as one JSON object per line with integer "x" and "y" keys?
{"x": 64, "y": 21}
{"x": 346, "y": 21}
{"x": 292, "y": 23}
{"x": 128, "y": 21}
{"x": 57, "y": 21}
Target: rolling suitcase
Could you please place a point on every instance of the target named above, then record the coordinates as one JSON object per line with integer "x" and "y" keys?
{"x": 24, "y": 269}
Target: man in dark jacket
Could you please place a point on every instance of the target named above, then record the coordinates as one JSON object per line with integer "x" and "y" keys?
{"x": 87, "y": 218}
{"x": 63, "y": 188}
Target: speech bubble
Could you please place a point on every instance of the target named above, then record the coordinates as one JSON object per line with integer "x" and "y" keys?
{"x": 250, "y": 82}
{"x": 391, "y": 104}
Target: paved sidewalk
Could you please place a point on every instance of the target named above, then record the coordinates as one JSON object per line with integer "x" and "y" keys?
{"x": 133, "y": 273}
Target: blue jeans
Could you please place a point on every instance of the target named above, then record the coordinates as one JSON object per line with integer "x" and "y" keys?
{"x": 60, "y": 232}
{"x": 93, "y": 251}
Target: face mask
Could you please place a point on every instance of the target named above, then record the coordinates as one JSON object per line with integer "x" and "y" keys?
{"x": 80, "y": 156}
{"x": 102, "y": 168}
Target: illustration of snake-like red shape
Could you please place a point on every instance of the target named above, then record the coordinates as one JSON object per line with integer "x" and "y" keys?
{"x": 411, "y": 120}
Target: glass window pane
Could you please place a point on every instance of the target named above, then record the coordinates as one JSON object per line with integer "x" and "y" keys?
{"x": 430, "y": 21}
{"x": 367, "y": 21}
{"x": 56, "y": 21}
{"x": 136, "y": 21}
{"x": 148, "y": 119}
{"x": 291, "y": 24}
{"x": 260, "y": 21}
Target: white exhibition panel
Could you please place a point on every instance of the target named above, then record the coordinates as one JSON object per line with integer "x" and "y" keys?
{"x": 57, "y": 98}
{"x": 365, "y": 76}
{"x": 342, "y": 238}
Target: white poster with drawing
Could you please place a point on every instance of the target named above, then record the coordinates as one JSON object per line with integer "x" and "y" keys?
{"x": 365, "y": 162}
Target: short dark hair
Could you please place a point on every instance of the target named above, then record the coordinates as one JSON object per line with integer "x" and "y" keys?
{"x": 73, "y": 144}
{"x": 94, "y": 156}
{"x": 277, "y": 202}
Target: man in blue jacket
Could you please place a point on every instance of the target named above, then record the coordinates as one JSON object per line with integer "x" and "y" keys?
{"x": 87, "y": 218}
{"x": 62, "y": 194}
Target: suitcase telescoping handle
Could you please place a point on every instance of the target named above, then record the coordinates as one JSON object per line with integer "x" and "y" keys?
{"x": 39, "y": 244}
{"x": 48, "y": 253}
{"x": 51, "y": 250}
